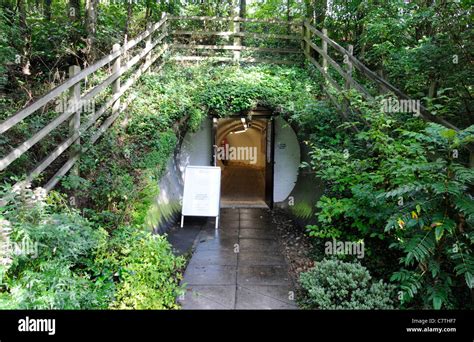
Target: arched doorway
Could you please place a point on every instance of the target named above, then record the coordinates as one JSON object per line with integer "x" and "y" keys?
{"x": 283, "y": 158}
{"x": 244, "y": 150}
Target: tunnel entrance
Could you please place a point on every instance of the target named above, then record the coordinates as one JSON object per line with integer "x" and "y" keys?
{"x": 243, "y": 149}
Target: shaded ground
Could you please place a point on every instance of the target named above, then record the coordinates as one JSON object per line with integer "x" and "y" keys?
{"x": 297, "y": 246}
{"x": 238, "y": 266}
{"x": 242, "y": 185}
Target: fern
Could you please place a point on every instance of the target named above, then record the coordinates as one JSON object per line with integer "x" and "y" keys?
{"x": 410, "y": 283}
{"x": 464, "y": 265}
{"x": 419, "y": 248}
{"x": 465, "y": 204}
{"x": 439, "y": 293}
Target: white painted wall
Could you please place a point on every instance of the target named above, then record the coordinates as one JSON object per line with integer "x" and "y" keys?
{"x": 196, "y": 147}
{"x": 287, "y": 160}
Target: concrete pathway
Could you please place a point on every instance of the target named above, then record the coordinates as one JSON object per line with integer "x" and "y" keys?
{"x": 238, "y": 266}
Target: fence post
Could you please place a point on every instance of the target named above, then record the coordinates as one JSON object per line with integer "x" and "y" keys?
{"x": 149, "y": 27}
{"x": 347, "y": 85}
{"x": 307, "y": 36}
{"x": 237, "y": 40}
{"x": 75, "y": 121}
{"x": 325, "y": 50}
{"x": 116, "y": 83}
{"x": 165, "y": 24}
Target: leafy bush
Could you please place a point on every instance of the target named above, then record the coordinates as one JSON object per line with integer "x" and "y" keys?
{"x": 148, "y": 271}
{"x": 405, "y": 182}
{"x": 47, "y": 251}
{"x": 60, "y": 260}
{"x": 334, "y": 284}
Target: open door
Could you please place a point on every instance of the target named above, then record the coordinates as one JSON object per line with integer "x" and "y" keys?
{"x": 270, "y": 154}
{"x": 242, "y": 156}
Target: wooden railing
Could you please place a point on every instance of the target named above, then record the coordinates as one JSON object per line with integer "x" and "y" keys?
{"x": 310, "y": 49}
{"x": 122, "y": 62}
{"x": 299, "y": 33}
{"x": 185, "y": 39}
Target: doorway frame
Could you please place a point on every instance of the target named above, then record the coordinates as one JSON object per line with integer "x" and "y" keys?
{"x": 259, "y": 113}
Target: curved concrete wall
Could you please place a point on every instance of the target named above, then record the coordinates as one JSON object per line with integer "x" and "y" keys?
{"x": 194, "y": 150}
{"x": 196, "y": 147}
{"x": 287, "y": 160}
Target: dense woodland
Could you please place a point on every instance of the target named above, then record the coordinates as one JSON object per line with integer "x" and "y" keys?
{"x": 401, "y": 184}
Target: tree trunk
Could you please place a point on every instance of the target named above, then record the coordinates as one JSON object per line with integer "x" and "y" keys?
{"x": 148, "y": 11}
{"x": 309, "y": 10}
{"x": 243, "y": 8}
{"x": 47, "y": 10}
{"x": 288, "y": 15}
{"x": 242, "y": 13}
{"x": 432, "y": 89}
{"x": 25, "y": 60}
{"x": 127, "y": 23}
{"x": 320, "y": 9}
{"x": 91, "y": 29}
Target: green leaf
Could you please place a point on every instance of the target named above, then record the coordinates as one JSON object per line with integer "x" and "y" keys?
{"x": 448, "y": 133}
{"x": 437, "y": 302}
{"x": 439, "y": 231}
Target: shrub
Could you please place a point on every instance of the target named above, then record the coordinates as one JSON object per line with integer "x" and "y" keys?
{"x": 334, "y": 284}
{"x": 405, "y": 184}
{"x": 69, "y": 263}
{"x": 45, "y": 257}
{"x": 148, "y": 271}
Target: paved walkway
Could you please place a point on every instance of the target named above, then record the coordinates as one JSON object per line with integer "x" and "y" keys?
{"x": 238, "y": 266}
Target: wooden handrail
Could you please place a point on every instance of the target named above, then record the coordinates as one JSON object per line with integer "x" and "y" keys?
{"x": 424, "y": 112}
{"x": 245, "y": 20}
{"x": 234, "y": 47}
{"x": 82, "y": 100}
{"x": 150, "y": 57}
{"x": 341, "y": 72}
{"x": 57, "y": 91}
{"x": 233, "y": 34}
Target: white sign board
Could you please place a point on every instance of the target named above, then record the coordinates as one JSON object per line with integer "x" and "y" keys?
{"x": 202, "y": 192}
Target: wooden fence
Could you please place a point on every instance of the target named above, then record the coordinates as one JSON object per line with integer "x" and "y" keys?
{"x": 300, "y": 33}
{"x": 240, "y": 35}
{"x": 122, "y": 62}
{"x": 346, "y": 72}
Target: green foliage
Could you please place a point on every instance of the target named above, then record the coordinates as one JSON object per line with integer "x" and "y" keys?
{"x": 334, "y": 285}
{"x": 302, "y": 210}
{"x": 49, "y": 270}
{"x": 147, "y": 271}
{"x": 68, "y": 263}
{"x": 406, "y": 183}
{"x": 7, "y": 52}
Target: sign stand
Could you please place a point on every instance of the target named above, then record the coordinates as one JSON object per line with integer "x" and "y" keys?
{"x": 202, "y": 192}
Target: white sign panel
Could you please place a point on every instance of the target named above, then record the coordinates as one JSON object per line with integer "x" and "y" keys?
{"x": 202, "y": 191}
